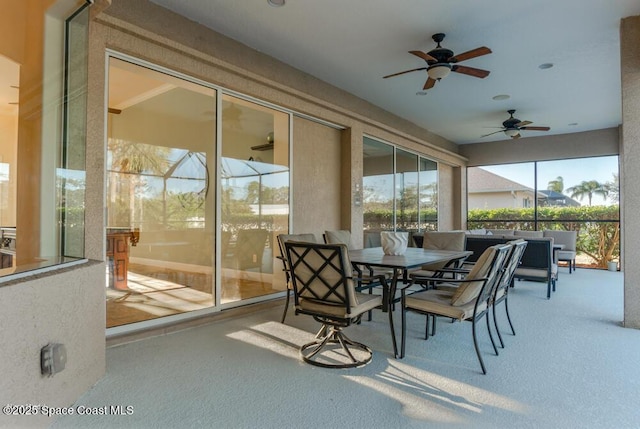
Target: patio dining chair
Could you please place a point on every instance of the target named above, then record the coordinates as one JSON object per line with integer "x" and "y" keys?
{"x": 501, "y": 291}
{"x": 324, "y": 288}
{"x": 368, "y": 277}
{"x": 439, "y": 240}
{"x": 282, "y": 238}
{"x": 470, "y": 300}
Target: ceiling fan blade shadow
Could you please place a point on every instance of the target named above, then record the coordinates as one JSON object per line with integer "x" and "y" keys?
{"x": 403, "y": 72}
{"x": 535, "y": 128}
{"x": 495, "y": 132}
{"x": 523, "y": 124}
{"x": 429, "y": 84}
{"x": 423, "y": 55}
{"x": 471, "y": 71}
{"x": 483, "y": 50}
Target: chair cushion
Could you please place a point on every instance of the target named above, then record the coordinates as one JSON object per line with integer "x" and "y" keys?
{"x": 365, "y": 302}
{"x": 565, "y": 255}
{"x": 468, "y": 291}
{"x": 532, "y": 272}
{"x": 341, "y": 236}
{"x": 567, "y": 238}
{"x": 449, "y": 240}
{"x": 439, "y": 302}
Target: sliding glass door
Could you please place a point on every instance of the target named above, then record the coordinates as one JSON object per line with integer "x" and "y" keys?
{"x": 190, "y": 170}
{"x": 160, "y": 194}
{"x": 254, "y": 172}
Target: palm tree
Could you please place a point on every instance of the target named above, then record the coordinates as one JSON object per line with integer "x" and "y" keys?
{"x": 556, "y": 185}
{"x": 588, "y": 188}
{"x": 613, "y": 188}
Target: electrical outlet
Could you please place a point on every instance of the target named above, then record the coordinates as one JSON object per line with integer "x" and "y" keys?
{"x": 53, "y": 358}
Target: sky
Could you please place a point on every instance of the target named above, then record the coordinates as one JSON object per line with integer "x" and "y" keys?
{"x": 572, "y": 171}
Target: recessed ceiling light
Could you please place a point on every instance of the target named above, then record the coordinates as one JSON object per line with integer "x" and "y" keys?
{"x": 573, "y": 124}
{"x": 545, "y": 66}
{"x": 276, "y": 3}
{"x": 501, "y": 97}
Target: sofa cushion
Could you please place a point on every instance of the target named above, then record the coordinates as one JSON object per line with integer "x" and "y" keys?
{"x": 501, "y": 232}
{"x": 528, "y": 234}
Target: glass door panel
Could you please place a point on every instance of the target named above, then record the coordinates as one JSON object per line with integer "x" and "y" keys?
{"x": 254, "y": 171}
{"x": 160, "y": 195}
{"x": 428, "y": 195}
{"x": 377, "y": 185}
{"x": 406, "y": 191}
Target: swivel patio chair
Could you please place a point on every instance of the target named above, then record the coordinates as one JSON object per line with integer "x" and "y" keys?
{"x": 324, "y": 288}
{"x": 367, "y": 276}
{"x": 470, "y": 301}
{"x": 282, "y": 238}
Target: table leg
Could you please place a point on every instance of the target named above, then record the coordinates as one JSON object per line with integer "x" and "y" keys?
{"x": 389, "y": 302}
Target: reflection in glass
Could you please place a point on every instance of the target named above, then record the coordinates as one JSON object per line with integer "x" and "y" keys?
{"x": 160, "y": 205}
{"x": 406, "y": 191}
{"x": 377, "y": 185}
{"x": 254, "y": 171}
{"x": 400, "y": 189}
{"x": 428, "y": 198}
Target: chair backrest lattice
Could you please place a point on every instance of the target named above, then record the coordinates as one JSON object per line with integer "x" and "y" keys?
{"x": 321, "y": 272}
{"x": 283, "y": 238}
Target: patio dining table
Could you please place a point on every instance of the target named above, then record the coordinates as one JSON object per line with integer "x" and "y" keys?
{"x": 399, "y": 264}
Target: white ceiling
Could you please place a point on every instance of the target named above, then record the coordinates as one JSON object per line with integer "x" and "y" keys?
{"x": 353, "y": 44}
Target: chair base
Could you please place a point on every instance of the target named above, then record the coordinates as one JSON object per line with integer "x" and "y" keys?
{"x": 331, "y": 335}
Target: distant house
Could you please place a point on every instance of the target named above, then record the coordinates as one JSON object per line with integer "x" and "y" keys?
{"x": 487, "y": 190}
{"x": 556, "y": 199}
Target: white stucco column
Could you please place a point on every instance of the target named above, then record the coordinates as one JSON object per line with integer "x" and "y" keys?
{"x": 630, "y": 167}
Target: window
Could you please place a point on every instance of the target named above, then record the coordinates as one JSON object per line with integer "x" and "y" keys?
{"x": 399, "y": 189}
{"x": 573, "y": 194}
{"x": 43, "y": 131}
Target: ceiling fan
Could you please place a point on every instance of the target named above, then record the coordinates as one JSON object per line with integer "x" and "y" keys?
{"x": 512, "y": 126}
{"x": 442, "y": 61}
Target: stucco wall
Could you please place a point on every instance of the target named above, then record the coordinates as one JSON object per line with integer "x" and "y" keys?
{"x": 544, "y": 148}
{"x": 66, "y": 307}
{"x": 630, "y": 174}
{"x": 315, "y": 179}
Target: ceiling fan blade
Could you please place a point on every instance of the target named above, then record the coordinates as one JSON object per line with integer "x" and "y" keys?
{"x": 535, "y": 128}
{"x": 517, "y": 136}
{"x": 471, "y": 71}
{"x": 423, "y": 55}
{"x": 403, "y": 72}
{"x": 429, "y": 84}
{"x": 523, "y": 124}
{"x": 495, "y": 132}
{"x": 483, "y": 50}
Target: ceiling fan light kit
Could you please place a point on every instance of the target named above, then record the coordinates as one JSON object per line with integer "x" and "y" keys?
{"x": 438, "y": 71}
{"x": 512, "y": 126}
{"x": 442, "y": 61}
